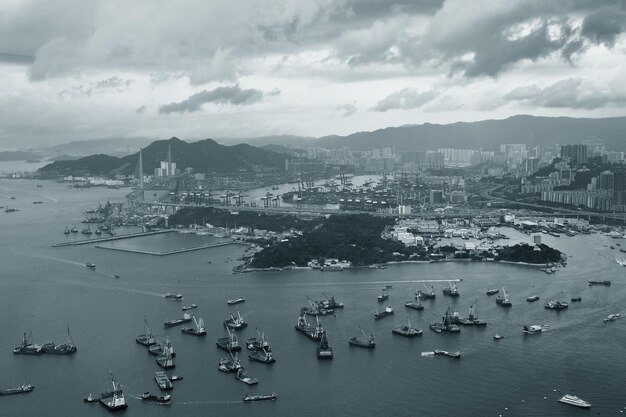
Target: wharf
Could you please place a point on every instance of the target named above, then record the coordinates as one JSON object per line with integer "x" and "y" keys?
{"x": 110, "y": 238}
{"x": 172, "y": 252}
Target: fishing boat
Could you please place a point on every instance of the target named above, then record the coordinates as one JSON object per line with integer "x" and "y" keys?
{"x": 262, "y": 355}
{"x": 159, "y": 399}
{"x": 415, "y": 305}
{"x": 324, "y": 351}
{"x": 575, "y": 401}
{"x": 242, "y": 375}
{"x": 439, "y": 352}
{"x": 62, "y": 349}
{"x": 199, "y": 330}
{"x": 429, "y": 294}
{"x": 27, "y": 348}
{"x": 408, "y": 330}
{"x": 251, "y": 398}
{"x": 312, "y": 332}
{"x": 235, "y": 322}
{"x": 162, "y": 380}
{"x": 22, "y": 389}
{"x": 91, "y": 399}
{"x": 236, "y": 301}
{"x": 446, "y": 324}
{"x": 165, "y": 361}
{"x": 503, "y": 300}
{"x": 148, "y": 338}
{"x": 175, "y": 297}
{"x": 368, "y": 342}
{"x": 229, "y": 364}
{"x": 191, "y": 307}
{"x": 612, "y": 317}
{"x": 230, "y": 343}
{"x": 493, "y": 291}
{"x": 388, "y": 311}
{"x": 185, "y": 319}
{"x": 114, "y": 399}
{"x": 451, "y": 290}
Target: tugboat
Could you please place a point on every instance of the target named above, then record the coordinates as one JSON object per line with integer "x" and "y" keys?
{"x": 148, "y": 338}
{"x": 312, "y": 332}
{"x": 22, "y": 389}
{"x": 190, "y": 307}
{"x": 606, "y": 283}
{"x": 408, "y": 330}
{"x": 230, "y": 343}
{"x": 415, "y": 305}
{"x": 114, "y": 399}
{"x": 250, "y": 398}
{"x": 429, "y": 294}
{"x": 27, "y": 348}
{"x": 575, "y": 401}
{"x": 262, "y": 355}
{"x": 439, "y": 352}
{"x": 62, "y": 349}
{"x": 159, "y": 399}
{"x": 235, "y": 322}
{"x": 162, "y": 380}
{"x": 243, "y": 376}
{"x": 324, "y": 351}
{"x": 451, "y": 290}
{"x": 166, "y": 361}
{"x": 185, "y": 319}
{"x": 236, "y": 301}
{"x": 446, "y": 324}
{"x": 175, "y": 297}
{"x": 388, "y": 311}
{"x": 493, "y": 291}
{"x": 556, "y": 305}
{"x": 532, "y": 298}
{"x": 612, "y": 317}
{"x": 231, "y": 364}
{"x": 503, "y": 300}
{"x": 199, "y": 330}
{"x": 368, "y": 342}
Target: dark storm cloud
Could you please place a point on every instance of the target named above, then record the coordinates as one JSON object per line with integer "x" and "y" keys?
{"x": 604, "y": 25}
{"x": 16, "y": 59}
{"x": 221, "y": 95}
{"x": 404, "y": 99}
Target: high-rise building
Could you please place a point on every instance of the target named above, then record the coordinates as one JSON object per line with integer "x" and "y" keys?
{"x": 577, "y": 153}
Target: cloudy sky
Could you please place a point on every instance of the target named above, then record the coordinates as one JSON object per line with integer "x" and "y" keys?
{"x": 89, "y": 69}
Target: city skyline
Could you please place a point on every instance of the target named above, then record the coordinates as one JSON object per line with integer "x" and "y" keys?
{"x": 90, "y": 70}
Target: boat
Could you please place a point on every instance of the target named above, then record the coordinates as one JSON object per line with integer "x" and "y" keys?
{"x": 236, "y": 301}
{"x": 22, "y": 389}
{"x": 67, "y": 230}
{"x": 10, "y": 210}
{"x": 191, "y": 307}
{"x": 176, "y": 378}
{"x": 258, "y": 343}
{"x": 429, "y": 294}
{"x": 162, "y": 380}
{"x": 242, "y": 375}
{"x": 250, "y": 398}
{"x": 148, "y": 338}
{"x": 556, "y": 305}
{"x": 235, "y": 322}
{"x": 574, "y": 400}
{"x": 262, "y": 355}
{"x": 451, "y": 290}
{"x": 175, "y": 297}
{"x": 231, "y": 364}
{"x": 612, "y": 317}
{"x": 471, "y": 320}
{"x": 605, "y": 282}
{"x": 62, "y": 349}
{"x": 497, "y": 336}
{"x": 439, "y": 352}
{"x": 114, "y": 399}
{"x": 388, "y": 311}
{"x": 532, "y": 298}
{"x": 86, "y": 231}
{"x": 415, "y": 305}
{"x": 446, "y": 324}
{"x": 408, "y": 330}
{"x": 162, "y": 349}
{"x": 382, "y": 297}
{"x": 312, "y": 332}
{"x": 324, "y": 351}
{"x": 74, "y": 229}
{"x": 230, "y": 343}
{"x": 91, "y": 399}
{"x": 576, "y": 299}
{"x": 329, "y": 303}
{"x": 316, "y": 308}
{"x": 160, "y": 399}
{"x": 199, "y": 330}
{"x": 503, "y": 300}
{"x": 185, "y": 319}
{"x": 27, "y": 348}
{"x": 166, "y": 361}
{"x": 98, "y": 232}
{"x": 89, "y": 265}
{"x": 493, "y": 291}
{"x": 368, "y": 342}
{"x": 532, "y": 329}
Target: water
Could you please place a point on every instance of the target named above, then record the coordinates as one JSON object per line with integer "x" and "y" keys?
{"x": 42, "y": 289}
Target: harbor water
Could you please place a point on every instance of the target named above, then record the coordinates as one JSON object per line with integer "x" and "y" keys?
{"x": 45, "y": 289}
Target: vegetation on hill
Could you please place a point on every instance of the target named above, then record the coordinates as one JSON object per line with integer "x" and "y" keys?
{"x": 541, "y": 254}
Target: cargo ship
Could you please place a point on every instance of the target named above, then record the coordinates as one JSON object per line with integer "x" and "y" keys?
{"x": 148, "y": 338}
{"x": 451, "y": 290}
{"x": 159, "y": 399}
{"x": 22, "y": 389}
{"x": 324, "y": 351}
{"x": 408, "y": 330}
{"x": 312, "y": 332}
{"x": 27, "y": 348}
{"x": 62, "y": 349}
{"x": 230, "y": 343}
{"x": 388, "y": 311}
{"x": 114, "y": 399}
{"x": 199, "y": 330}
{"x": 503, "y": 300}
{"x": 368, "y": 342}
{"x": 162, "y": 380}
{"x": 250, "y": 398}
{"x": 235, "y": 322}
{"x": 185, "y": 319}
{"x": 605, "y": 283}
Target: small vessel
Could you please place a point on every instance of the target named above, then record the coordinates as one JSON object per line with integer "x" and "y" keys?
{"x": 382, "y": 297}
{"x": 185, "y": 319}
{"x": 62, "y": 349}
{"x": 451, "y": 290}
{"x": 242, "y": 375}
{"x": 10, "y": 210}
{"x": 439, "y": 352}
{"x": 497, "y": 336}
{"x": 199, "y": 330}
{"x": 312, "y": 332}
{"x": 98, "y": 232}
{"x": 148, "y": 338}
{"x": 86, "y": 230}
{"x": 532, "y": 298}
{"x": 114, "y": 399}
{"x": 231, "y": 364}
{"x": 503, "y": 300}
{"x": 74, "y": 229}
{"x": 612, "y": 317}
{"x": 89, "y": 265}
{"x": 258, "y": 343}
{"x": 67, "y": 230}
{"x": 175, "y": 297}
{"x": 191, "y": 307}
{"x": 575, "y": 401}
{"x": 166, "y": 361}
{"x": 471, "y": 320}
{"x": 429, "y": 294}
{"x": 329, "y": 303}
{"x": 446, "y": 324}
{"x": 230, "y": 343}
{"x": 388, "y": 311}
{"x": 605, "y": 282}
{"x": 576, "y": 299}
{"x": 235, "y": 322}
{"x": 415, "y": 305}
{"x": 262, "y": 355}
{"x": 91, "y": 399}
{"x": 162, "y": 380}
{"x": 27, "y": 348}
{"x": 22, "y": 389}
{"x": 250, "y": 398}
{"x": 532, "y": 329}
{"x": 324, "y": 351}
{"x": 176, "y": 378}
{"x": 368, "y": 342}
{"x": 408, "y": 330}
{"x": 236, "y": 301}
{"x": 160, "y": 399}
{"x": 493, "y": 291}
{"x": 556, "y": 305}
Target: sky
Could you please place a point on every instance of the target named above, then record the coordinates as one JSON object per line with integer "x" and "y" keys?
{"x": 89, "y": 69}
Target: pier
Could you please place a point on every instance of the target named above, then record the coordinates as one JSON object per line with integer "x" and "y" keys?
{"x": 172, "y": 252}
{"x": 110, "y": 238}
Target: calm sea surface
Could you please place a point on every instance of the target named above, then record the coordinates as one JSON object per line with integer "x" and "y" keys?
{"x": 43, "y": 289}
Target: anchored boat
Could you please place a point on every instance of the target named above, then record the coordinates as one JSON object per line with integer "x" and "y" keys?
{"x": 62, "y": 349}
{"x": 230, "y": 343}
{"x": 162, "y": 380}
{"x": 185, "y": 319}
{"x": 235, "y": 322}
{"x": 27, "y": 348}
{"x": 22, "y": 389}
{"x": 408, "y": 330}
{"x": 415, "y": 305}
{"x": 242, "y": 375}
{"x": 503, "y": 300}
{"x": 388, "y": 311}
{"x": 324, "y": 351}
{"x": 236, "y": 301}
{"x": 199, "y": 330}
{"x": 368, "y": 342}
{"x": 148, "y": 338}
{"x": 451, "y": 290}
{"x": 160, "y": 399}
{"x": 446, "y": 324}
{"x": 114, "y": 399}
{"x": 250, "y": 398}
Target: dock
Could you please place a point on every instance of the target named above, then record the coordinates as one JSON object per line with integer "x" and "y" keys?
{"x": 111, "y": 238}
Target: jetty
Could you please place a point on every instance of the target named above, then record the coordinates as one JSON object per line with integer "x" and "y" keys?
{"x": 111, "y": 238}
